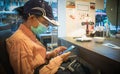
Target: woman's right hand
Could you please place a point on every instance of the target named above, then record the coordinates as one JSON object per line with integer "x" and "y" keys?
{"x": 65, "y": 56}
{"x": 55, "y": 52}
{"x": 60, "y": 58}
{"x": 54, "y": 64}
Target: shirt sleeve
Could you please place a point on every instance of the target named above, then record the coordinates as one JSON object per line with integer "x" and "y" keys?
{"x": 52, "y": 67}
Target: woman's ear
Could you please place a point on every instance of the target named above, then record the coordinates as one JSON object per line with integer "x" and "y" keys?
{"x": 31, "y": 17}
{"x": 33, "y": 21}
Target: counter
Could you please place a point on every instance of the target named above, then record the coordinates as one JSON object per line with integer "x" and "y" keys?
{"x": 104, "y": 58}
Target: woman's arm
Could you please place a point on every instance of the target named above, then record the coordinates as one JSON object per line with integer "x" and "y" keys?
{"x": 54, "y": 64}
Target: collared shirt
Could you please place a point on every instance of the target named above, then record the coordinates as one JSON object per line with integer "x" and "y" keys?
{"x": 25, "y": 51}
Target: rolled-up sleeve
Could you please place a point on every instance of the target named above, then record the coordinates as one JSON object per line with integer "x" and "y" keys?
{"x": 52, "y": 67}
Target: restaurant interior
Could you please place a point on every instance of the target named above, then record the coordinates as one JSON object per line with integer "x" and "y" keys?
{"x": 92, "y": 26}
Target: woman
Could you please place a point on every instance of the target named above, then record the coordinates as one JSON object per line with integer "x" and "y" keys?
{"x": 25, "y": 51}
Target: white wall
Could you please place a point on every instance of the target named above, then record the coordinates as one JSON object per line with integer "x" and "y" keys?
{"x": 62, "y": 18}
{"x": 67, "y": 25}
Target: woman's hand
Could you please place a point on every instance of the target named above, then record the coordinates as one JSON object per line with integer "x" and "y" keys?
{"x": 59, "y": 50}
{"x": 54, "y": 64}
{"x": 55, "y": 52}
{"x": 65, "y": 56}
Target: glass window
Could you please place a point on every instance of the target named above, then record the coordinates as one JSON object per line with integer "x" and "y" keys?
{"x": 103, "y": 17}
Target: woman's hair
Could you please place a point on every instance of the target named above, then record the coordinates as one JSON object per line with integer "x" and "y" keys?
{"x": 20, "y": 12}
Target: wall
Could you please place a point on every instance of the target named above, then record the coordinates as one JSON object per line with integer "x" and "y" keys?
{"x": 119, "y": 14}
{"x": 113, "y": 12}
{"x": 76, "y": 11}
{"x": 61, "y": 18}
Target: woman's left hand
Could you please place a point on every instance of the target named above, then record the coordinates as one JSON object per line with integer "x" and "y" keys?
{"x": 56, "y": 52}
{"x": 59, "y": 50}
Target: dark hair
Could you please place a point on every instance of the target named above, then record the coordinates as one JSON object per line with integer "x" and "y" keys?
{"x": 20, "y": 12}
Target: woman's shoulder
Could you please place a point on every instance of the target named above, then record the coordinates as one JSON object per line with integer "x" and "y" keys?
{"x": 15, "y": 36}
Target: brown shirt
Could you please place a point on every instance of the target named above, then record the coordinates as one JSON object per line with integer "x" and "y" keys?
{"x": 25, "y": 51}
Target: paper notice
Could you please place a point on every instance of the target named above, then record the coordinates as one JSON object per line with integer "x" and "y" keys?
{"x": 111, "y": 45}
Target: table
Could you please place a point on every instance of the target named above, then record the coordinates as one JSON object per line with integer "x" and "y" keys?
{"x": 104, "y": 58}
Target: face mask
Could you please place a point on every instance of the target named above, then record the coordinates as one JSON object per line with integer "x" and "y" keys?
{"x": 40, "y": 29}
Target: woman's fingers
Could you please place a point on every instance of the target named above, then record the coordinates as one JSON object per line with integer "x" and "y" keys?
{"x": 62, "y": 48}
{"x": 59, "y": 49}
{"x": 65, "y": 56}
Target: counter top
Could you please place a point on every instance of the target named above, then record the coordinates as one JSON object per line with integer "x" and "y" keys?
{"x": 99, "y": 47}
{"x": 97, "y": 54}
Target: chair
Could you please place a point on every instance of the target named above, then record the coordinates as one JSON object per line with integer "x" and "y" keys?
{"x": 5, "y": 66}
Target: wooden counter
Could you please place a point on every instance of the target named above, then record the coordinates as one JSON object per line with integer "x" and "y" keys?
{"x": 104, "y": 58}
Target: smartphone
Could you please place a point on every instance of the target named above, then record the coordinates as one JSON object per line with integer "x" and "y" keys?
{"x": 69, "y": 49}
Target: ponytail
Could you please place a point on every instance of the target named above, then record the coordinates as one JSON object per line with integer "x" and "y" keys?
{"x": 20, "y": 12}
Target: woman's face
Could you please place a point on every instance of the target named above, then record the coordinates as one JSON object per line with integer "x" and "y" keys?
{"x": 40, "y": 25}
{"x": 34, "y": 21}
{"x": 43, "y": 21}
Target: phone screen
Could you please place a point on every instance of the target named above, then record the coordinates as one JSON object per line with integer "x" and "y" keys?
{"x": 69, "y": 48}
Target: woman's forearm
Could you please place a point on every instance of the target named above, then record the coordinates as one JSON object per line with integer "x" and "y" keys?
{"x": 52, "y": 67}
